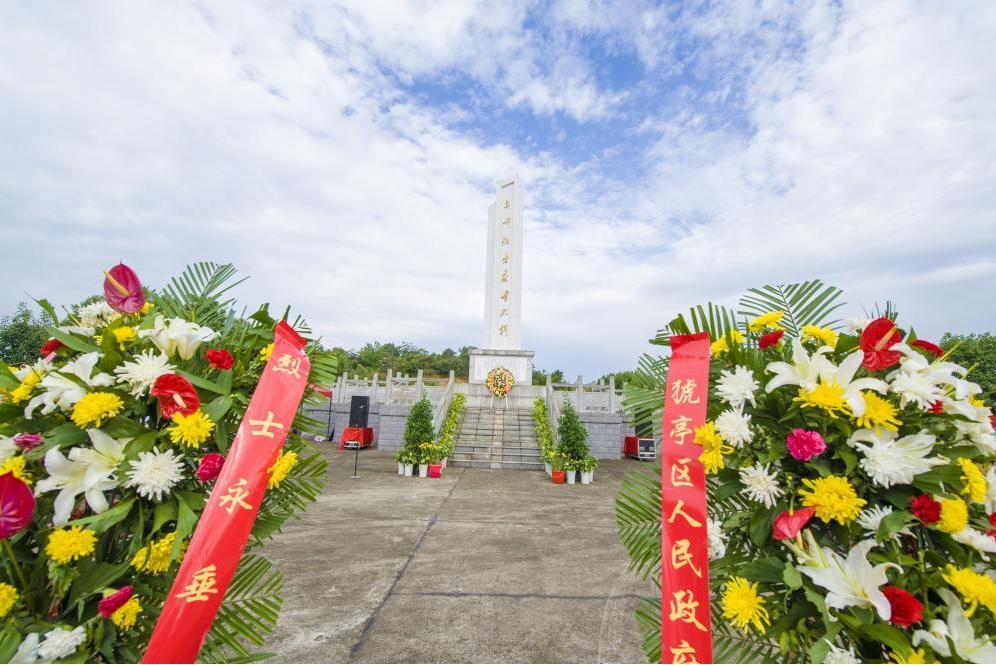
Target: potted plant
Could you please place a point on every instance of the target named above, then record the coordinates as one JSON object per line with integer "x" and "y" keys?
{"x": 432, "y": 458}
{"x": 406, "y": 458}
{"x": 557, "y": 475}
{"x": 587, "y": 468}
{"x": 400, "y": 458}
{"x": 571, "y": 467}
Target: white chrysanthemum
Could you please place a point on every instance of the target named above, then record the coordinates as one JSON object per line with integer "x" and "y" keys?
{"x": 154, "y": 474}
{"x": 734, "y": 426}
{"x": 979, "y": 433}
{"x": 737, "y": 387}
{"x": 60, "y": 643}
{"x": 870, "y": 520}
{"x": 97, "y": 314}
{"x": 977, "y": 540}
{"x": 760, "y": 484}
{"x": 856, "y": 325}
{"x": 922, "y": 381}
{"x": 838, "y": 655}
{"x": 27, "y": 652}
{"x": 143, "y": 372}
{"x": 717, "y": 540}
{"x": 891, "y": 461}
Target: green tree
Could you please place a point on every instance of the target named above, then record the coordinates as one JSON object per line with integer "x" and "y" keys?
{"x": 22, "y": 334}
{"x": 622, "y": 378}
{"x": 418, "y": 427}
{"x": 572, "y": 433}
{"x": 978, "y": 353}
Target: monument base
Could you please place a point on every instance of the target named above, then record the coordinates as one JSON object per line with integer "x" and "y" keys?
{"x": 520, "y": 363}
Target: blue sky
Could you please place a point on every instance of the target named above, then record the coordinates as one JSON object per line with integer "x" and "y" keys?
{"x": 344, "y": 154}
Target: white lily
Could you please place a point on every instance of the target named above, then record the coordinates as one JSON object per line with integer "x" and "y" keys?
{"x": 804, "y": 371}
{"x": 177, "y": 336}
{"x": 892, "y": 461}
{"x": 849, "y": 582}
{"x": 843, "y": 376}
{"x": 70, "y": 477}
{"x": 103, "y": 459}
{"x": 60, "y": 392}
{"x": 921, "y": 381}
{"x": 7, "y": 448}
{"x": 979, "y": 432}
{"x": 959, "y": 630}
{"x": 977, "y": 540}
{"x": 991, "y": 490}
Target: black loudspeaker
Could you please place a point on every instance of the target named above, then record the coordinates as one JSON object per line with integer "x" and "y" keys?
{"x": 359, "y": 410}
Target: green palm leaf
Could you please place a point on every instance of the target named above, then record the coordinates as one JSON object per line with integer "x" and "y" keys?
{"x": 196, "y": 294}
{"x": 804, "y": 303}
{"x": 716, "y": 320}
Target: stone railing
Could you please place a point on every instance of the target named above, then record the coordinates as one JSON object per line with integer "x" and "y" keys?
{"x": 444, "y": 404}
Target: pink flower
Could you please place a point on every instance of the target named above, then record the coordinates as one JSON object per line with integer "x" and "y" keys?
{"x": 112, "y": 603}
{"x": 788, "y": 525}
{"x": 210, "y": 467}
{"x": 123, "y": 290}
{"x": 28, "y": 441}
{"x": 17, "y": 505}
{"x": 804, "y": 445}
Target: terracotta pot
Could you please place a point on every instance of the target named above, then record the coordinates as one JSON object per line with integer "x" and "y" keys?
{"x": 559, "y": 477}
{"x": 435, "y": 470}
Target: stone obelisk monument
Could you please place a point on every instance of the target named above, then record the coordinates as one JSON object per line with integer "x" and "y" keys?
{"x": 503, "y": 290}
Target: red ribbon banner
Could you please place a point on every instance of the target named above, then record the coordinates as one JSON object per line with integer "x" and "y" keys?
{"x": 686, "y": 634}
{"x": 228, "y": 517}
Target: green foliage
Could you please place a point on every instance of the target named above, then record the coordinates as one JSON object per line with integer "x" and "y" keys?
{"x": 448, "y": 430}
{"x": 805, "y": 303}
{"x": 589, "y": 463}
{"x": 405, "y": 358}
{"x": 978, "y": 353}
{"x": 418, "y": 427}
{"x": 643, "y": 396}
{"x": 22, "y": 334}
{"x": 572, "y": 434}
{"x": 544, "y": 433}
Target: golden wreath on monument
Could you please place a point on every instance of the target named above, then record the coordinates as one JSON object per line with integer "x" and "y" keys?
{"x": 500, "y": 381}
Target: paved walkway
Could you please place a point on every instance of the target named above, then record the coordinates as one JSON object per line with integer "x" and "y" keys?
{"x": 479, "y": 566}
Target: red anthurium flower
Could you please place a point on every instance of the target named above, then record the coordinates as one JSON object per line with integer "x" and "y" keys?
{"x": 770, "y": 339}
{"x": 176, "y": 395}
{"x": 28, "y": 441}
{"x": 112, "y": 603}
{"x": 17, "y": 505}
{"x": 876, "y": 341}
{"x": 122, "y": 289}
{"x": 51, "y": 346}
{"x": 906, "y": 609}
{"x": 210, "y": 467}
{"x": 929, "y": 347}
{"x": 788, "y": 525}
{"x": 926, "y": 509}
{"x": 219, "y": 358}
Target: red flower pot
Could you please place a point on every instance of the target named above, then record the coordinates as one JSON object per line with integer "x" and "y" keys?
{"x": 559, "y": 477}
{"x": 435, "y": 470}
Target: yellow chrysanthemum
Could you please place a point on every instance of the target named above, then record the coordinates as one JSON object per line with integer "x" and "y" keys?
{"x": 768, "y": 320}
{"x": 125, "y": 334}
{"x": 833, "y": 498}
{"x": 191, "y": 431}
{"x": 826, "y": 396}
{"x": 721, "y": 345}
{"x": 974, "y": 587}
{"x": 67, "y": 545}
{"x": 146, "y": 308}
{"x": 880, "y": 414}
{"x": 16, "y": 465}
{"x": 155, "y": 557}
{"x": 23, "y": 391}
{"x": 95, "y": 408}
{"x": 915, "y": 657}
{"x": 124, "y": 616}
{"x": 266, "y": 352}
{"x": 975, "y": 482}
{"x": 820, "y": 334}
{"x": 8, "y": 598}
{"x": 954, "y": 515}
{"x": 743, "y": 605}
{"x": 281, "y": 468}
{"x": 713, "y": 447}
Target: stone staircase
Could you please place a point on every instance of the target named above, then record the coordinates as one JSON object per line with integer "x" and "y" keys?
{"x": 497, "y": 439}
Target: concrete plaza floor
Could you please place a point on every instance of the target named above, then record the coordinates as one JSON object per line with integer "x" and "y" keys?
{"x": 478, "y": 566}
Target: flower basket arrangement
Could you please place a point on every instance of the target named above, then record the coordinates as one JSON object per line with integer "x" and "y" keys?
{"x": 851, "y": 489}
{"x": 109, "y": 446}
{"x": 500, "y": 382}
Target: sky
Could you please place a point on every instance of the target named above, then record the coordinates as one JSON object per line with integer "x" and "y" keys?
{"x": 343, "y": 154}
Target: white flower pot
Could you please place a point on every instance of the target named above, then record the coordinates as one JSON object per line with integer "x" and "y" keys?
{"x": 443, "y": 462}
{"x": 401, "y": 468}
{"x": 408, "y": 469}
{"x": 587, "y": 477}
{"x": 571, "y": 477}
{"x": 423, "y": 470}
{"x": 549, "y": 469}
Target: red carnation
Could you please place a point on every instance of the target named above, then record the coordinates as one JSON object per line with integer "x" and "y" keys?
{"x": 17, "y": 505}
{"x": 770, "y": 339}
{"x": 992, "y": 519}
{"x": 991, "y": 533}
{"x": 926, "y": 509}
{"x": 123, "y": 290}
{"x": 906, "y": 609}
{"x": 51, "y": 346}
{"x": 210, "y": 467}
{"x": 876, "y": 341}
{"x": 112, "y": 603}
{"x": 788, "y": 525}
{"x": 937, "y": 407}
{"x": 176, "y": 395}
{"x": 929, "y": 347}
{"x": 220, "y": 358}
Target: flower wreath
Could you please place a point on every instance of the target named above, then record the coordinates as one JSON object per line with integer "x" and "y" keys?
{"x": 500, "y": 381}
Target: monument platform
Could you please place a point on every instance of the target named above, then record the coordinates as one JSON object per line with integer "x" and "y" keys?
{"x": 520, "y": 363}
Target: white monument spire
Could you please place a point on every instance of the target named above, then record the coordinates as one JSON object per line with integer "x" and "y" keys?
{"x": 503, "y": 295}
